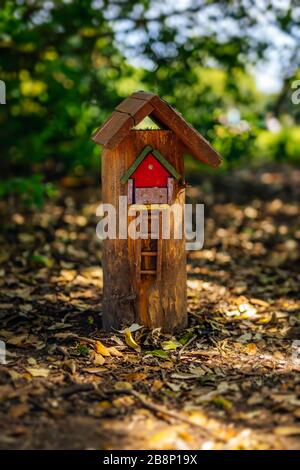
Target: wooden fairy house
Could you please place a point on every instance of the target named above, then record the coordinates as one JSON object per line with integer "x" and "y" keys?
{"x": 145, "y": 278}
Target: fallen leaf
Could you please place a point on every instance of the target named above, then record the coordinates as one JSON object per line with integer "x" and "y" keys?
{"x": 115, "y": 352}
{"x": 130, "y": 341}
{"x": 157, "y": 385}
{"x": 159, "y": 353}
{"x": 222, "y": 402}
{"x": 99, "y": 359}
{"x": 59, "y": 326}
{"x": 38, "y": 371}
{"x": 124, "y": 401}
{"x": 101, "y": 349}
{"x": 132, "y": 328}
{"x": 123, "y": 386}
{"x": 170, "y": 345}
{"x": 31, "y": 361}
{"x": 136, "y": 377}
{"x": 94, "y": 370}
{"x": 287, "y": 430}
{"x": 17, "y": 340}
{"x": 251, "y": 349}
{"x": 17, "y": 411}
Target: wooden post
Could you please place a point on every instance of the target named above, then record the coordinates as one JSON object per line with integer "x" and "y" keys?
{"x": 153, "y": 301}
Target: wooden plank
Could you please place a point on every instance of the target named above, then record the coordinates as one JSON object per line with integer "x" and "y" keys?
{"x": 138, "y": 259}
{"x": 170, "y": 190}
{"x": 130, "y": 192}
{"x": 159, "y": 250}
{"x": 136, "y": 108}
{"x": 194, "y": 142}
{"x": 114, "y": 130}
{"x": 143, "y": 95}
{"x": 151, "y": 195}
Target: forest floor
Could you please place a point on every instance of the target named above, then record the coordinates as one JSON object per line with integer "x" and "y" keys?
{"x": 230, "y": 381}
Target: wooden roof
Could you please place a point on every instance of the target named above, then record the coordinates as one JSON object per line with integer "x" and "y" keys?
{"x": 141, "y": 104}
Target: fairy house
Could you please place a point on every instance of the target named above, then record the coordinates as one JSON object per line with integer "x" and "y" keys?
{"x": 145, "y": 278}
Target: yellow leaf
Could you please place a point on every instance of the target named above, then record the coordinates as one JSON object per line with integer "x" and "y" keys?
{"x": 101, "y": 349}
{"x": 115, "y": 352}
{"x": 251, "y": 349}
{"x": 122, "y": 402}
{"x": 94, "y": 370}
{"x": 287, "y": 430}
{"x": 157, "y": 385}
{"x": 99, "y": 360}
{"x": 130, "y": 341}
{"x": 38, "y": 371}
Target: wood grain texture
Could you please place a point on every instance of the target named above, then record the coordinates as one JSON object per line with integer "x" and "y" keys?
{"x": 137, "y": 109}
{"x": 114, "y": 130}
{"x": 196, "y": 144}
{"x": 127, "y": 297}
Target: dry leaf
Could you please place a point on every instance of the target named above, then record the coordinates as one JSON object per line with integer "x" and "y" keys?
{"x": 71, "y": 365}
{"x": 31, "y": 361}
{"x": 17, "y": 340}
{"x": 99, "y": 360}
{"x": 101, "y": 349}
{"x": 287, "y": 430}
{"x": 18, "y": 411}
{"x": 123, "y": 386}
{"x": 132, "y": 328}
{"x": 136, "y": 377}
{"x": 115, "y": 352}
{"x": 157, "y": 385}
{"x": 130, "y": 341}
{"x": 94, "y": 370}
{"x": 38, "y": 371}
{"x": 251, "y": 349}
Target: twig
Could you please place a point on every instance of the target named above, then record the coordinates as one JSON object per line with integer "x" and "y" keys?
{"x": 186, "y": 345}
{"x": 164, "y": 411}
{"x": 75, "y": 388}
{"x": 146, "y": 403}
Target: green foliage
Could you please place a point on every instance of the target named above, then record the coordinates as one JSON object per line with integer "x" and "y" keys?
{"x": 282, "y": 146}
{"x": 65, "y": 70}
{"x": 83, "y": 350}
{"x": 61, "y": 72}
{"x": 32, "y": 191}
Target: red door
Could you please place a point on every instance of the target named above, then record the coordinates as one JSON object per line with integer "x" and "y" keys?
{"x": 150, "y": 174}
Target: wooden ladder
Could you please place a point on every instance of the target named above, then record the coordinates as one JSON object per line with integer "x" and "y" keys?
{"x": 150, "y": 251}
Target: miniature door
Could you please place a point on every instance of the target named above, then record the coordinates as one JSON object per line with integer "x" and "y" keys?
{"x": 150, "y": 181}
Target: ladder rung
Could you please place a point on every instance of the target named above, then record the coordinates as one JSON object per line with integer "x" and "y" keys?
{"x": 149, "y": 253}
{"x": 148, "y": 272}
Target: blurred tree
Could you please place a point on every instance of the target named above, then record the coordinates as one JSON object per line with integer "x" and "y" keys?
{"x": 66, "y": 65}
{"x": 61, "y": 68}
